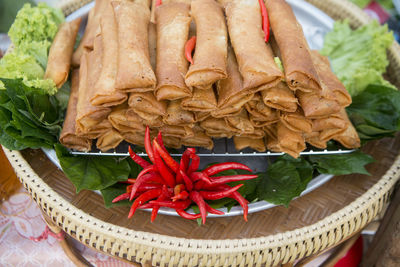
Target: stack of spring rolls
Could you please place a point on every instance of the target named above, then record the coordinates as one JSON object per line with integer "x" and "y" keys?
{"x": 133, "y": 73}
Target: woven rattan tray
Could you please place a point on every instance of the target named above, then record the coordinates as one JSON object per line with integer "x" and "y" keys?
{"x": 312, "y": 223}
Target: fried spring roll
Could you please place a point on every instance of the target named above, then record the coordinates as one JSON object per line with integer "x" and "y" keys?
{"x": 334, "y": 121}
{"x": 211, "y": 45}
{"x": 136, "y": 138}
{"x": 76, "y": 56}
{"x": 271, "y": 137}
{"x": 60, "y": 52}
{"x": 348, "y": 138}
{"x": 109, "y": 140}
{"x": 68, "y": 137}
{"x": 314, "y": 139}
{"x": 105, "y": 92}
{"x": 295, "y": 53}
{"x": 241, "y": 123}
{"x": 289, "y": 141}
{"x": 217, "y": 128}
{"x": 244, "y": 142}
{"x": 99, "y": 129}
{"x": 134, "y": 72}
{"x": 173, "y": 21}
{"x": 151, "y": 120}
{"x": 146, "y": 105}
{"x": 202, "y": 100}
{"x": 332, "y": 82}
{"x": 256, "y": 134}
{"x": 200, "y": 139}
{"x": 177, "y": 116}
{"x": 280, "y": 97}
{"x": 296, "y": 121}
{"x": 176, "y": 131}
{"x": 254, "y": 56}
{"x": 125, "y": 123}
{"x": 200, "y": 116}
{"x": 231, "y": 93}
{"x": 317, "y": 105}
{"x": 88, "y": 116}
{"x": 260, "y": 114}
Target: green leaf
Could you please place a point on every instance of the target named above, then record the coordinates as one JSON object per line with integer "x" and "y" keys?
{"x": 92, "y": 172}
{"x": 342, "y": 164}
{"x": 112, "y": 192}
{"x": 284, "y": 180}
{"x": 376, "y": 112}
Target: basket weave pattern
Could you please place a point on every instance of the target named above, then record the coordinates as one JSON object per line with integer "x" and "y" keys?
{"x": 269, "y": 250}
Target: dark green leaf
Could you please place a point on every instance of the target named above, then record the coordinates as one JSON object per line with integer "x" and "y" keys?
{"x": 112, "y": 192}
{"x": 342, "y": 164}
{"x": 376, "y": 112}
{"x": 93, "y": 173}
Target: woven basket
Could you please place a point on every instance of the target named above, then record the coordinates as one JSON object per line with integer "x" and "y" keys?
{"x": 272, "y": 249}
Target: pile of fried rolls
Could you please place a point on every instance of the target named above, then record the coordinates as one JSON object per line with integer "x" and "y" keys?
{"x": 130, "y": 71}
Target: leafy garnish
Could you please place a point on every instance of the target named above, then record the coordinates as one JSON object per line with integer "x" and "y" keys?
{"x": 91, "y": 172}
{"x": 28, "y": 118}
{"x": 284, "y": 180}
{"x": 342, "y": 164}
{"x": 376, "y": 112}
{"x": 358, "y": 56}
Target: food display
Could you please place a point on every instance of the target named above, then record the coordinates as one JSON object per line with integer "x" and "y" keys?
{"x": 194, "y": 72}
{"x": 232, "y": 76}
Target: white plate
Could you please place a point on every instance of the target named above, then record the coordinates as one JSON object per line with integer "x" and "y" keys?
{"x": 315, "y": 25}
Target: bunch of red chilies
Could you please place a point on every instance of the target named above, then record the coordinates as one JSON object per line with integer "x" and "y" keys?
{"x": 167, "y": 183}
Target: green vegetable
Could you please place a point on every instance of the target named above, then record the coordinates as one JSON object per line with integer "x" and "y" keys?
{"x": 358, "y": 57}
{"x": 28, "y": 118}
{"x": 31, "y": 33}
{"x": 284, "y": 180}
{"x": 342, "y": 164}
{"x": 38, "y": 23}
{"x": 112, "y": 192}
{"x": 92, "y": 172}
{"x": 388, "y": 4}
{"x": 376, "y": 112}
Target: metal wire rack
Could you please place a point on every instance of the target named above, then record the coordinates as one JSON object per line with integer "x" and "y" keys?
{"x": 222, "y": 148}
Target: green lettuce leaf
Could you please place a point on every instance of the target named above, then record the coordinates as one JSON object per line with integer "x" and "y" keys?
{"x": 342, "y": 164}
{"x": 358, "y": 57}
{"x": 376, "y": 112}
{"x": 37, "y": 23}
{"x": 92, "y": 172}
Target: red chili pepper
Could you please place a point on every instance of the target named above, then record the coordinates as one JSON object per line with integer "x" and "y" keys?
{"x": 168, "y": 177}
{"x": 198, "y": 199}
{"x": 158, "y": 2}
{"x": 177, "y": 205}
{"x": 174, "y": 166}
{"x": 183, "y": 164}
{"x": 160, "y": 141}
{"x": 189, "y": 46}
{"x": 181, "y": 196}
{"x": 265, "y": 20}
{"x": 214, "y": 195}
{"x": 187, "y": 215}
{"x": 163, "y": 196}
{"x": 232, "y": 178}
{"x": 146, "y": 196}
{"x": 199, "y": 176}
{"x": 186, "y": 180}
{"x": 194, "y": 165}
{"x": 147, "y": 144}
{"x": 242, "y": 201}
{"x": 143, "y": 187}
{"x": 121, "y": 197}
{"x": 144, "y": 179}
{"x": 146, "y": 170}
{"x": 216, "y": 168}
{"x": 136, "y": 158}
{"x": 213, "y": 211}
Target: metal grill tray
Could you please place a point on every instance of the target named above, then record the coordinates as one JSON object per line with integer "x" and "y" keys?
{"x": 315, "y": 25}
